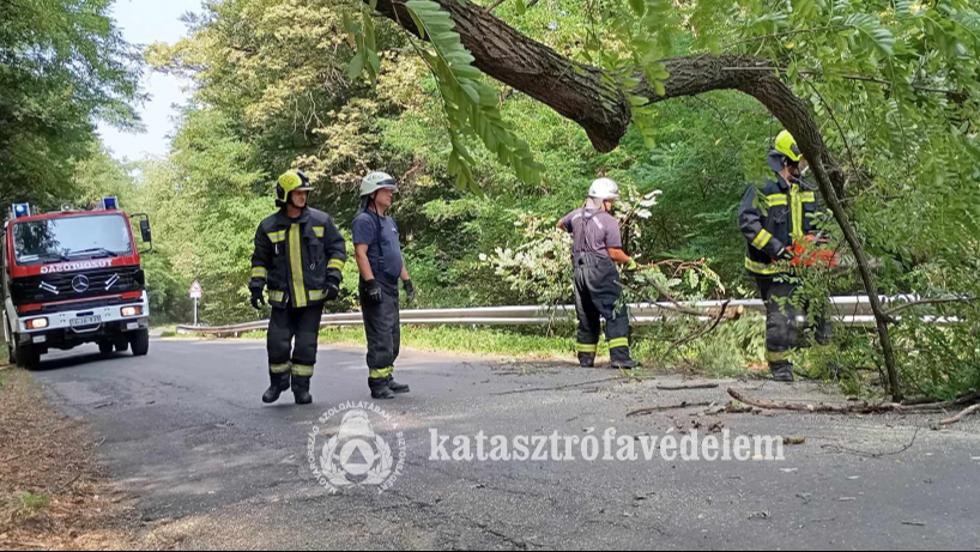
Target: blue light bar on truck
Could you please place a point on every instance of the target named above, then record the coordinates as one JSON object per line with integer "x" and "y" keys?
{"x": 110, "y": 203}
{"x": 21, "y": 210}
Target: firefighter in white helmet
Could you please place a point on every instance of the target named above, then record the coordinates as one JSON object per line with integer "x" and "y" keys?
{"x": 597, "y": 249}
{"x": 377, "y": 249}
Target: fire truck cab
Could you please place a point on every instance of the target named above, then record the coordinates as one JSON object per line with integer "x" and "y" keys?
{"x": 72, "y": 277}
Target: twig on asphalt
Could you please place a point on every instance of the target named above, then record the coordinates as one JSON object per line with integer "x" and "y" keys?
{"x": 557, "y": 387}
{"x": 956, "y": 419}
{"x": 681, "y": 387}
{"x": 652, "y": 409}
{"x": 874, "y": 454}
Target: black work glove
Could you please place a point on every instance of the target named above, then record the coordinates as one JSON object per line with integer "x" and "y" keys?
{"x": 257, "y": 300}
{"x": 373, "y": 291}
{"x": 331, "y": 292}
{"x": 785, "y": 254}
{"x": 409, "y": 291}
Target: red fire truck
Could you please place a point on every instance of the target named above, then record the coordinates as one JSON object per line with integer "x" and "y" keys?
{"x": 72, "y": 277}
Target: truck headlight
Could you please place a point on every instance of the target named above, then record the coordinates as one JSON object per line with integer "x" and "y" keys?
{"x": 36, "y": 323}
{"x": 131, "y": 311}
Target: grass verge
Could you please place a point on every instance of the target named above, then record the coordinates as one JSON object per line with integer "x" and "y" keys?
{"x": 729, "y": 350}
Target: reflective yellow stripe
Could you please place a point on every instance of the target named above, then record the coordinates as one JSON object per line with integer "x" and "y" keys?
{"x": 761, "y": 239}
{"x": 276, "y": 296}
{"x": 761, "y": 268}
{"x": 296, "y": 266}
{"x": 619, "y": 342}
{"x": 776, "y": 199}
{"x": 279, "y": 368}
{"x": 259, "y": 272}
{"x": 808, "y": 197}
{"x": 796, "y": 208}
{"x": 302, "y": 370}
{"x": 277, "y": 237}
{"x": 316, "y": 295}
{"x": 337, "y": 264}
{"x": 318, "y": 231}
{"x": 777, "y": 356}
{"x": 381, "y": 373}
{"x": 587, "y": 347}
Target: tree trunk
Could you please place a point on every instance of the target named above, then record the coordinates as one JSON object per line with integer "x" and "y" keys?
{"x": 587, "y": 96}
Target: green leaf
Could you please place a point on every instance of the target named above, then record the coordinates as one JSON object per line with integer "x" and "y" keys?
{"x": 356, "y": 66}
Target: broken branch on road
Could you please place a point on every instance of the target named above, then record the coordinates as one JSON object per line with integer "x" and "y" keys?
{"x": 652, "y": 409}
{"x": 862, "y": 407}
{"x": 680, "y": 387}
{"x": 956, "y": 419}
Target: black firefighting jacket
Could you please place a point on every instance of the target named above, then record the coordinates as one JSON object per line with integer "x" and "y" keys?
{"x": 297, "y": 258}
{"x": 772, "y": 218}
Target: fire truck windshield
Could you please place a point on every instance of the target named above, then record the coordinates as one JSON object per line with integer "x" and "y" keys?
{"x": 63, "y": 239}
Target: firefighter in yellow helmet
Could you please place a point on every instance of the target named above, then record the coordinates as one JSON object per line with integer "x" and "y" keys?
{"x": 774, "y": 220}
{"x": 299, "y": 255}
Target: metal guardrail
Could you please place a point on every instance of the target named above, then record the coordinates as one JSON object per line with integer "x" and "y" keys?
{"x": 853, "y": 310}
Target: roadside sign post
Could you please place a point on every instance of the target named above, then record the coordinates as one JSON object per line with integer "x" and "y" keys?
{"x": 195, "y": 294}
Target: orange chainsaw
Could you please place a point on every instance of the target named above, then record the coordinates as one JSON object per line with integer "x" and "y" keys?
{"x": 811, "y": 252}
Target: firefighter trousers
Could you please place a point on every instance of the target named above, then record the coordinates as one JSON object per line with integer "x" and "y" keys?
{"x": 787, "y": 319}
{"x": 383, "y": 331}
{"x": 597, "y": 294}
{"x": 292, "y": 339}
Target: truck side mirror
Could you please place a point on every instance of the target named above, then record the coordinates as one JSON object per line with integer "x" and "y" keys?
{"x": 145, "y": 233}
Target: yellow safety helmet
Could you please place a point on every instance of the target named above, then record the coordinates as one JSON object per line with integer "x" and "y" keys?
{"x": 291, "y": 181}
{"x": 786, "y": 145}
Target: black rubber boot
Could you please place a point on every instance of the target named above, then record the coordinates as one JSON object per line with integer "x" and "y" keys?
{"x": 301, "y": 390}
{"x": 782, "y": 372}
{"x": 625, "y": 364}
{"x": 397, "y": 388}
{"x": 586, "y": 360}
{"x": 379, "y": 389}
{"x": 279, "y": 383}
{"x": 620, "y": 358}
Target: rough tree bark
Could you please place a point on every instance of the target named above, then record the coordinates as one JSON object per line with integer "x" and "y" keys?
{"x": 589, "y": 97}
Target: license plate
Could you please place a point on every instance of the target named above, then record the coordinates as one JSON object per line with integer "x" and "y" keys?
{"x": 85, "y": 321}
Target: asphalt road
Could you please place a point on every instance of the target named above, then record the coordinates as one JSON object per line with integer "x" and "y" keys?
{"x": 209, "y": 466}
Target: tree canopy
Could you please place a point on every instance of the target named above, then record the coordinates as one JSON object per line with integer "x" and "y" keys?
{"x": 63, "y": 67}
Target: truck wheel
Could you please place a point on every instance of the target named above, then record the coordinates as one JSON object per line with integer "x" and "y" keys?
{"x": 27, "y": 357}
{"x": 140, "y": 342}
{"x": 106, "y": 348}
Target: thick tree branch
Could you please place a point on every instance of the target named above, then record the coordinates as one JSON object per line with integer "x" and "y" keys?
{"x": 579, "y": 92}
{"x": 592, "y": 99}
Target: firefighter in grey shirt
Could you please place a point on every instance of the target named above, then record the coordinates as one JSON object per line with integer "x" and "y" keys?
{"x": 597, "y": 248}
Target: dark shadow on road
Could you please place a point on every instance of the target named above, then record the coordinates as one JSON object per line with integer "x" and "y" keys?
{"x": 78, "y": 359}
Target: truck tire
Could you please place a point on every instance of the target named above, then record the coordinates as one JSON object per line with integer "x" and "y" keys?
{"x": 140, "y": 342}
{"x": 27, "y": 357}
{"x": 106, "y": 348}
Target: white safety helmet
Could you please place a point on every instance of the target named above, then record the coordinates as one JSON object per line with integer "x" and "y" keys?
{"x": 376, "y": 181}
{"x": 604, "y": 188}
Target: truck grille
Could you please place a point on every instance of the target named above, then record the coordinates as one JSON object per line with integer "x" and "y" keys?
{"x": 76, "y": 285}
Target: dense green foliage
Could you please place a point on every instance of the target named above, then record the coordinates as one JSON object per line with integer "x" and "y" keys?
{"x": 63, "y": 66}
